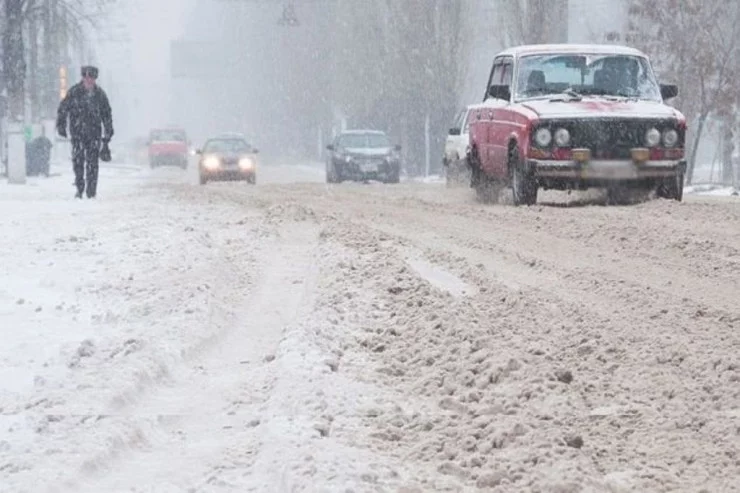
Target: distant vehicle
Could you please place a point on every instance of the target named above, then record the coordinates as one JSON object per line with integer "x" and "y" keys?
{"x": 573, "y": 117}
{"x": 227, "y": 157}
{"x": 362, "y": 155}
{"x": 168, "y": 147}
{"x": 456, "y": 149}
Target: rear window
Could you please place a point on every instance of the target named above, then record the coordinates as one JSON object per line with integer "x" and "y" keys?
{"x": 168, "y": 136}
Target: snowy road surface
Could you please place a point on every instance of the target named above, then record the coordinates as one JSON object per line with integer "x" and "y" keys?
{"x": 292, "y": 336}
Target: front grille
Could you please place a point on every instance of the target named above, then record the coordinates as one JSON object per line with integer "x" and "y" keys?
{"x": 611, "y": 138}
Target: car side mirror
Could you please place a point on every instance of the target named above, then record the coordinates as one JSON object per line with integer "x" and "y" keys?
{"x": 500, "y": 92}
{"x": 330, "y": 147}
{"x": 397, "y": 147}
{"x": 668, "y": 91}
{"x": 455, "y": 131}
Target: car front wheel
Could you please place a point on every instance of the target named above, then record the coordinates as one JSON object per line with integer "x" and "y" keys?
{"x": 523, "y": 184}
{"x": 672, "y": 188}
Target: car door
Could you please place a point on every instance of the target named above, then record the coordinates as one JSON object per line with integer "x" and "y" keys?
{"x": 491, "y": 150}
{"x": 501, "y": 125}
{"x": 452, "y": 141}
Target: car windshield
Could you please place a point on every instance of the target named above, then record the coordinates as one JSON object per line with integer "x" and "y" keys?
{"x": 629, "y": 76}
{"x": 364, "y": 141}
{"x": 227, "y": 145}
{"x": 168, "y": 136}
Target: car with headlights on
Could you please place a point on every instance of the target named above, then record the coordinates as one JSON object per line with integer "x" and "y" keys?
{"x": 567, "y": 116}
{"x": 227, "y": 157}
{"x": 362, "y": 155}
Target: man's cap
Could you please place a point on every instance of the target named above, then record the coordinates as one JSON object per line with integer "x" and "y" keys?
{"x": 89, "y": 70}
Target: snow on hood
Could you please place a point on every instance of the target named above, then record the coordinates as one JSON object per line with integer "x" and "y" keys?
{"x": 600, "y": 108}
{"x": 368, "y": 151}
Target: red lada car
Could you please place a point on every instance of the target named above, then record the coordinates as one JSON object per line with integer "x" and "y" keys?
{"x": 573, "y": 117}
{"x": 168, "y": 147}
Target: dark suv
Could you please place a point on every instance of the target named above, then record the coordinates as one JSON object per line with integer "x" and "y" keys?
{"x": 362, "y": 155}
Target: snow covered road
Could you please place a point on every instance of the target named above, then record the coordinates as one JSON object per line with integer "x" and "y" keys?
{"x": 295, "y": 336}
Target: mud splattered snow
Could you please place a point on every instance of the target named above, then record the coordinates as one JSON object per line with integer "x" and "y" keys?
{"x": 299, "y": 337}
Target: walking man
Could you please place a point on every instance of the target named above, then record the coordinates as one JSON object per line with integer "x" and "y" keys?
{"x": 88, "y": 111}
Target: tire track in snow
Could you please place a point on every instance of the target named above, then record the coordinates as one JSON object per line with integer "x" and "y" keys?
{"x": 208, "y": 420}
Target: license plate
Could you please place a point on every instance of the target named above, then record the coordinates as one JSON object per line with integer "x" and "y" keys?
{"x": 369, "y": 167}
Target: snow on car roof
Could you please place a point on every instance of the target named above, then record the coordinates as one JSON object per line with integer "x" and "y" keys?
{"x": 596, "y": 49}
{"x": 361, "y": 131}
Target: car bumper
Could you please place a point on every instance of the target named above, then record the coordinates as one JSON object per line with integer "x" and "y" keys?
{"x": 368, "y": 172}
{"x": 605, "y": 171}
{"x": 228, "y": 174}
{"x": 168, "y": 159}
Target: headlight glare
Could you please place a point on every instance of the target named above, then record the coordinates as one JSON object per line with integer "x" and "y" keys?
{"x": 246, "y": 163}
{"x": 211, "y": 162}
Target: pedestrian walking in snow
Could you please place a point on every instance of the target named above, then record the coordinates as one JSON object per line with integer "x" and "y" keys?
{"x": 87, "y": 111}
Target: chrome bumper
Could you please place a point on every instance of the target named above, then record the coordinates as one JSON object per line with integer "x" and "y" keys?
{"x": 605, "y": 170}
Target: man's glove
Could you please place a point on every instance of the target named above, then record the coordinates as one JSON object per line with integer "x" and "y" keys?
{"x": 62, "y": 132}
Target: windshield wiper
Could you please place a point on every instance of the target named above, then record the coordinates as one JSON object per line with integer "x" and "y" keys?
{"x": 572, "y": 93}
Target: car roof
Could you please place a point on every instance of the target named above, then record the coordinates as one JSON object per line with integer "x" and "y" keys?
{"x": 595, "y": 49}
{"x": 361, "y": 131}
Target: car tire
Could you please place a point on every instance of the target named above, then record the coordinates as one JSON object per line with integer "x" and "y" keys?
{"x": 330, "y": 178}
{"x": 673, "y": 188}
{"x": 203, "y": 180}
{"x": 252, "y": 180}
{"x": 523, "y": 183}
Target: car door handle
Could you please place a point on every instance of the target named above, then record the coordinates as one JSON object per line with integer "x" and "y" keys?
{"x": 490, "y": 114}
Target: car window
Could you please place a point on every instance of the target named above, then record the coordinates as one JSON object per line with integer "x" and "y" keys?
{"x": 506, "y": 76}
{"x": 466, "y": 122}
{"x": 359, "y": 140}
{"x": 167, "y": 136}
{"x": 603, "y": 75}
{"x": 227, "y": 145}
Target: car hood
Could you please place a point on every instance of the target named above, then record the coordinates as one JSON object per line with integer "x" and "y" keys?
{"x": 368, "y": 151}
{"x": 229, "y": 155}
{"x": 600, "y": 108}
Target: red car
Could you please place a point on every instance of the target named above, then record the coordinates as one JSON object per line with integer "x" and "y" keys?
{"x": 572, "y": 117}
{"x": 168, "y": 147}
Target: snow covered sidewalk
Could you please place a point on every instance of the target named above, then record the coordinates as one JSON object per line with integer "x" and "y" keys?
{"x": 167, "y": 337}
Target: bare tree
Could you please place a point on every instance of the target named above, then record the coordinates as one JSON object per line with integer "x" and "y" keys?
{"x": 63, "y": 22}
{"x": 399, "y": 63}
{"x": 694, "y": 43}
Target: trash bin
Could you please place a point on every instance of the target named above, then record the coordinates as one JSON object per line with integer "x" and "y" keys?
{"x": 38, "y": 156}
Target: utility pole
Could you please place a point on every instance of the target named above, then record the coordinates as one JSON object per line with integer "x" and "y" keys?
{"x": 14, "y": 69}
{"x": 33, "y": 72}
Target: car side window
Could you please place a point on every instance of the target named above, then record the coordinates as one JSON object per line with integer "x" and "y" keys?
{"x": 460, "y": 119}
{"x": 466, "y": 122}
{"x": 507, "y": 69}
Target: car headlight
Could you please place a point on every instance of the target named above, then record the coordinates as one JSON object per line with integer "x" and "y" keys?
{"x": 211, "y": 162}
{"x": 670, "y": 138}
{"x": 543, "y": 137}
{"x": 562, "y": 137}
{"x": 652, "y": 137}
{"x": 246, "y": 163}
